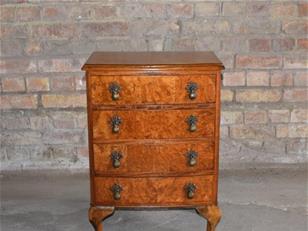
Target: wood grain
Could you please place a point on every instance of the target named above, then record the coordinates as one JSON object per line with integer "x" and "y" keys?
{"x": 152, "y": 89}
{"x": 97, "y": 215}
{"x": 153, "y": 124}
{"x": 153, "y": 191}
{"x": 154, "y": 158}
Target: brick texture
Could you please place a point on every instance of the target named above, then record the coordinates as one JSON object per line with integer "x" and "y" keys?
{"x": 263, "y": 45}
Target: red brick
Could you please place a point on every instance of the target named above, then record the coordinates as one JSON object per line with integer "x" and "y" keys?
{"x": 226, "y": 95}
{"x": 234, "y": 79}
{"x": 257, "y": 78}
{"x": 103, "y": 12}
{"x": 63, "y": 119}
{"x": 302, "y": 43}
{"x": 259, "y": 45}
{"x": 9, "y": 31}
{"x": 35, "y": 84}
{"x": 55, "y": 31}
{"x": 255, "y": 117}
{"x": 279, "y": 116}
{"x": 7, "y": 14}
{"x": 295, "y": 27}
{"x": 255, "y": 8}
{"x": 247, "y": 61}
{"x": 18, "y": 101}
{"x": 281, "y": 78}
{"x": 64, "y": 101}
{"x": 54, "y": 12}
{"x": 60, "y": 65}
{"x": 146, "y": 10}
{"x": 282, "y": 10}
{"x": 285, "y": 44}
{"x": 205, "y": 9}
{"x": 303, "y": 9}
{"x": 233, "y": 8}
{"x": 103, "y": 29}
{"x": 62, "y": 83}
{"x": 231, "y": 117}
{"x": 258, "y": 95}
{"x": 180, "y": 10}
{"x": 82, "y": 151}
{"x": 295, "y": 95}
{"x": 17, "y": 66}
{"x": 292, "y": 131}
{"x": 301, "y": 79}
{"x": 255, "y": 132}
{"x": 296, "y": 62}
{"x": 27, "y": 13}
{"x": 299, "y": 116}
{"x": 13, "y": 84}
{"x": 33, "y": 47}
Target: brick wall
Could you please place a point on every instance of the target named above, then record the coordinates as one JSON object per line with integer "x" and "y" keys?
{"x": 263, "y": 45}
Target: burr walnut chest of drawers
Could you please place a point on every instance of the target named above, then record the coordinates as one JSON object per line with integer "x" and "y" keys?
{"x": 153, "y": 122}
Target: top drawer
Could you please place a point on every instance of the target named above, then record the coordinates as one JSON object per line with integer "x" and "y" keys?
{"x": 123, "y": 90}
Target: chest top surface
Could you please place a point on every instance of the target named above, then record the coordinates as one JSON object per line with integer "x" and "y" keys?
{"x": 102, "y": 59}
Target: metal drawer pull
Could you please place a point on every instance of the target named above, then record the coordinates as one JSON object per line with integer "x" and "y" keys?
{"x": 192, "y": 123}
{"x": 192, "y": 90}
{"x": 116, "y": 157}
{"x": 115, "y": 89}
{"x": 192, "y": 157}
{"x": 115, "y": 123}
{"x": 116, "y": 189}
{"x": 191, "y": 190}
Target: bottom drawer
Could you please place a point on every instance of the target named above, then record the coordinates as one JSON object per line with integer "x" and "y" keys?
{"x": 154, "y": 191}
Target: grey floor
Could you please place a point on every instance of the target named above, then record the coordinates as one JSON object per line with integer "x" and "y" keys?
{"x": 251, "y": 200}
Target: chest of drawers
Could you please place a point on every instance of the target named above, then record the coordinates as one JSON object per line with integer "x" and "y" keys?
{"x": 153, "y": 121}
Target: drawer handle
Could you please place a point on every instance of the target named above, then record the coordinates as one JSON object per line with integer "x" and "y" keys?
{"x": 115, "y": 89}
{"x": 116, "y": 189}
{"x": 192, "y": 90}
{"x": 115, "y": 123}
{"x": 192, "y": 157}
{"x": 191, "y": 190}
{"x": 116, "y": 157}
{"x": 192, "y": 123}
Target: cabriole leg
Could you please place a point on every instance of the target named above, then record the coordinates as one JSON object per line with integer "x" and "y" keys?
{"x": 97, "y": 215}
{"x": 212, "y": 214}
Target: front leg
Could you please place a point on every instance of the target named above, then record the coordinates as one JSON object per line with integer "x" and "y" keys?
{"x": 212, "y": 213}
{"x": 97, "y": 215}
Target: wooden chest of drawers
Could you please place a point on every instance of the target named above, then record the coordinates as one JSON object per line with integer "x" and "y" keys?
{"x": 153, "y": 131}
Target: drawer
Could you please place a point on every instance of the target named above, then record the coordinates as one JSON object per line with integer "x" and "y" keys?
{"x": 149, "y": 158}
{"x": 153, "y": 124}
{"x": 154, "y": 191}
{"x": 123, "y": 90}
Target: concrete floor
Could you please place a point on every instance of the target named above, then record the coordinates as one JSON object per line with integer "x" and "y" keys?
{"x": 251, "y": 200}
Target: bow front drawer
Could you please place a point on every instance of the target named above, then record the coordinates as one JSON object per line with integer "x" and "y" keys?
{"x": 123, "y": 90}
{"x": 154, "y": 191}
{"x": 153, "y": 124}
{"x": 154, "y": 158}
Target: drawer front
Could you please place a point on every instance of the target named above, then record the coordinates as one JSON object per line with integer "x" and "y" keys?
{"x": 154, "y": 191}
{"x": 123, "y": 90}
{"x": 179, "y": 157}
{"x": 153, "y": 124}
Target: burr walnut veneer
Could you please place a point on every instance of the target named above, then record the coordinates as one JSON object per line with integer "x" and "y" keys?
{"x": 153, "y": 132}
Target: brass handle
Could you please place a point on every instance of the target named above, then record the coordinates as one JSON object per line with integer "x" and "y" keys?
{"x": 116, "y": 157}
{"x": 191, "y": 190}
{"x": 192, "y": 157}
{"x": 192, "y": 123}
{"x": 116, "y": 189}
{"x": 192, "y": 90}
{"x": 115, "y": 123}
{"x": 115, "y": 89}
